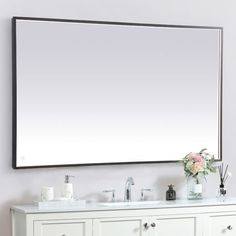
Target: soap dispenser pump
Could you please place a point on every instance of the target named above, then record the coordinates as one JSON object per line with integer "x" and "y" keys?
{"x": 68, "y": 191}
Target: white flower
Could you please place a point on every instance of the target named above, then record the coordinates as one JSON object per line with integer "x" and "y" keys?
{"x": 229, "y": 174}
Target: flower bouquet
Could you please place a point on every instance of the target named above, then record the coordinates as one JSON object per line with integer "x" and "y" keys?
{"x": 196, "y": 167}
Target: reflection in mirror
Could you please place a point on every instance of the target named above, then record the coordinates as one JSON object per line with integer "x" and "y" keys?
{"x": 100, "y": 92}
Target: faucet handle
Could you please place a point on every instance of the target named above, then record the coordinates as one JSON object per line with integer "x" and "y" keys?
{"x": 112, "y": 191}
{"x": 142, "y": 192}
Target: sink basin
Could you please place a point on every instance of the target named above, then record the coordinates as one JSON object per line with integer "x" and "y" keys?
{"x": 120, "y": 204}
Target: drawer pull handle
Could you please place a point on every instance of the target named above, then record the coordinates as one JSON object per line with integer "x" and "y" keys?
{"x": 146, "y": 226}
{"x": 230, "y": 227}
{"x": 153, "y": 225}
{"x": 63, "y": 235}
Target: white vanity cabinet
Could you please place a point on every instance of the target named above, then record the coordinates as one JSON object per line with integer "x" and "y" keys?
{"x": 165, "y": 219}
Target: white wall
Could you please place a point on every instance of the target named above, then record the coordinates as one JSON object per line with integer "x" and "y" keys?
{"x": 18, "y": 186}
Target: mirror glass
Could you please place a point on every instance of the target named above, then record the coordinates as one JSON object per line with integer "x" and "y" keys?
{"x": 106, "y": 93}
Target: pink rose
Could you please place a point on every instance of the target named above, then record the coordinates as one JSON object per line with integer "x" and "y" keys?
{"x": 196, "y": 157}
{"x": 196, "y": 167}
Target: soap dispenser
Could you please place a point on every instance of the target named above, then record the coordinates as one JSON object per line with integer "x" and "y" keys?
{"x": 68, "y": 192}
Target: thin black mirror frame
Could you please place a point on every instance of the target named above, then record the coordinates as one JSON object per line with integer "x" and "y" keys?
{"x": 14, "y": 87}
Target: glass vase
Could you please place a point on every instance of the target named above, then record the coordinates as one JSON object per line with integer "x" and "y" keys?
{"x": 194, "y": 188}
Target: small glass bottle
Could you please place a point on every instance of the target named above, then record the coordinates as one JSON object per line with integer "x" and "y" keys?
{"x": 170, "y": 193}
{"x": 221, "y": 193}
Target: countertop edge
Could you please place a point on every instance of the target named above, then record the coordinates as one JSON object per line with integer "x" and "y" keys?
{"x": 32, "y": 209}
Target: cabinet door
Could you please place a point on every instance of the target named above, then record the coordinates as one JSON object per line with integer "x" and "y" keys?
{"x": 127, "y": 226}
{"x": 222, "y": 225}
{"x": 63, "y": 228}
{"x": 176, "y": 226}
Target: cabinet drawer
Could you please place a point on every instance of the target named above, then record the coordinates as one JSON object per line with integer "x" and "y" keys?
{"x": 223, "y": 225}
{"x": 63, "y": 228}
{"x": 127, "y": 226}
{"x": 181, "y": 226}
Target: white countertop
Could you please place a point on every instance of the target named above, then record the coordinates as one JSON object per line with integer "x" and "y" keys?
{"x": 33, "y": 209}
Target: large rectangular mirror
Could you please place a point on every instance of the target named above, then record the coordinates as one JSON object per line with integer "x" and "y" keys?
{"x": 90, "y": 92}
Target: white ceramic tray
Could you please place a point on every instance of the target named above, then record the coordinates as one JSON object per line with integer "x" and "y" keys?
{"x": 58, "y": 204}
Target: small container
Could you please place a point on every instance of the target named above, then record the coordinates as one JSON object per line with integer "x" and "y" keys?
{"x": 170, "y": 193}
{"x": 47, "y": 194}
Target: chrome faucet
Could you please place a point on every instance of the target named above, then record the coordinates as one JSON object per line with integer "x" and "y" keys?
{"x": 129, "y": 182}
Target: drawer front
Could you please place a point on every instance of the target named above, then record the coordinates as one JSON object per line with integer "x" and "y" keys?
{"x": 223, "y": 225}
{"x": 63, "y": 228}
{"x": 181, "y": 226}
{"x": 127, "y": 226}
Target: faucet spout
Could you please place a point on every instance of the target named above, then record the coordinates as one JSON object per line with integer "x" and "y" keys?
{"x": 128, "y": 184}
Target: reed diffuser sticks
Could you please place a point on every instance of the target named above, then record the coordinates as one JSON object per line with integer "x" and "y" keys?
{"x": 224, "y": 174}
